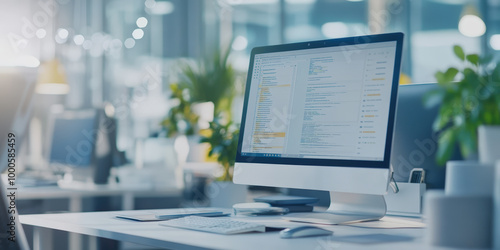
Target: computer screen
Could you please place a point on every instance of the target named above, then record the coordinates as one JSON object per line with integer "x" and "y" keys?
{"x": 71, "y": 144}
{"x": 320, "y": 115}
{"x": 82, "y": 145}
{"x": 323, "y": 103}
{"x": 73, "y": 138}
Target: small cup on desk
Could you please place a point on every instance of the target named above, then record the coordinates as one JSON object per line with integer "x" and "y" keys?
{"x": 468, "y": 178}
{"x": 461, "y": 216}
{"x": 458, "y": 221}
{"x": 488, "y": 144}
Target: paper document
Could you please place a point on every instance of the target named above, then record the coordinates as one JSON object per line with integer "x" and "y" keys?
{"x": 390, "y": 222}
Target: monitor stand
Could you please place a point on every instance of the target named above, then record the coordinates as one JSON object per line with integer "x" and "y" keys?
{"x": 345, "y": 208}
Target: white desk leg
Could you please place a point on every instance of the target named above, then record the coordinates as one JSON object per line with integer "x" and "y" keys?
{"x": 128, "y": 201}
{"x": 92, "y": 243}
{"x": 42, "y": 239}
{"x": 75, "y": 206}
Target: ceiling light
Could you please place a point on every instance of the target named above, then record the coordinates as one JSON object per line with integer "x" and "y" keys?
{"x": 495, "y": 41}
{"x": 470, "y": 23}
{"x": 141, "y": 22}
{"x": 240, "y": 43}
{"x": 335, "y": 29}
{"x": 138, "y": 34}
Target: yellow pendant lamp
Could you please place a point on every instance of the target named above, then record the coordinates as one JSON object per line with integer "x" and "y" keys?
{"x": 52, "y": 79}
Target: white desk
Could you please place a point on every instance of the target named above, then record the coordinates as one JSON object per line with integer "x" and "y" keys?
{"x": 104, "y": 224}
{"x": 75, "y": 194}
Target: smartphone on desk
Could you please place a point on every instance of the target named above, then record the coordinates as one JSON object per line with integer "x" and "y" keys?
{"x": 417, "y": 175}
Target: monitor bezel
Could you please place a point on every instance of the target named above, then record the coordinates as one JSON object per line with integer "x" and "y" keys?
{"x": 358, "y": 40}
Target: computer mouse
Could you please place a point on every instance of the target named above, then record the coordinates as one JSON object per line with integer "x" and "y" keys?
{"x": 303, "y": 231}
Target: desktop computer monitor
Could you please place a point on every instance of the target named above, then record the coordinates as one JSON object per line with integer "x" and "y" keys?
{"x": 82, "y": 145}
{"x": 320, "y": 115}
{"x": 71, "y": 144}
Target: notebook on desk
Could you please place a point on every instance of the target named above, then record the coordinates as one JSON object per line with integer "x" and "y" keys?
{"x": 160, "y": 215}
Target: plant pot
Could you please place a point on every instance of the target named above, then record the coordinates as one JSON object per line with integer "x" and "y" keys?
{"x": 468, "y": 178}
{"x": 462, "y": 215}
{"x": 458, "y": 222}
{"x": 489, "y": 144}
{"x": 225, "y": 193}
{"x": 197, "y": 151}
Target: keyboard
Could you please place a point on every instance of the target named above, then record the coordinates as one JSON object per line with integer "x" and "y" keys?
{"x": 214, "y": 225}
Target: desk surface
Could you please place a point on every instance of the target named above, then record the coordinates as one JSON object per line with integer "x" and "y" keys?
{"x": 104, "y": 224}
{"x": 54, "y": 192}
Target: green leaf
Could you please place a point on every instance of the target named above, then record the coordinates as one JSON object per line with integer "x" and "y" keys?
{"x": 474, "y": 114}
{"x": 497, "y": 102}
{"x": 459, "y": 52}
{"x": 473, "y": 58}
{"x": 440, "y": 77}
{"x": 496, "y": 74}
{"x": 443, "y": 117}
{"x": 446, "y": 144}
{"x": 443, "y": 78}
{"x": 486, "y": 91}
{"x": 467, "y": 140}
{"x": 488, "y": 117}
{"x": 471, "y": 78}
{"x": 450, "y": 74}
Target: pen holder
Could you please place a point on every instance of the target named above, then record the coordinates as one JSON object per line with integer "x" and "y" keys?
{"x": 406, "y": 202}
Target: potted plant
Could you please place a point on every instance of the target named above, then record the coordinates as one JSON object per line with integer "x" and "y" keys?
{"x": 206, "y": 89}
{"x": 223, "y": 141}
{"x": 465, "y": 105}
{"x": 180, "y": 119}
{"x": 211, "y": 80}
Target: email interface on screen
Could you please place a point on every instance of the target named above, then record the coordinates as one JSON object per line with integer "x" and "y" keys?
{"x": 325, "y": 103}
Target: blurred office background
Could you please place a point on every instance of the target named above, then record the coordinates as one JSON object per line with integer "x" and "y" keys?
{"x": 125, "y": 52}
{"x": 124, "y": 55}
